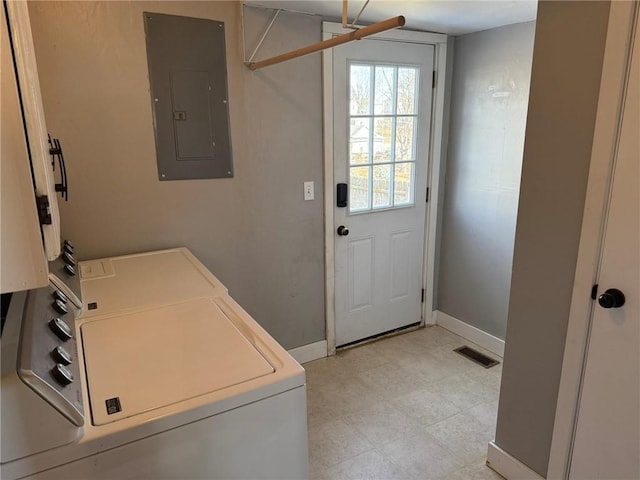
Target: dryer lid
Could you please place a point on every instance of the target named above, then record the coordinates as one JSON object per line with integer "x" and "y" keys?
{"x": 162, "y": 356}
{"x": 123, "y": 283}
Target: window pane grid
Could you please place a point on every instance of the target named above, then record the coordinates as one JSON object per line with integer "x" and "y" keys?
{"x": 393, "y": 135}
{"x": 360, "y": 120}
{"x": 383, "y": 116}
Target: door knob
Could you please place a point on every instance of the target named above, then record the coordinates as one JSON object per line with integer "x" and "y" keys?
{"x": 612, "y": 298}
{"x": 342, "y": 230}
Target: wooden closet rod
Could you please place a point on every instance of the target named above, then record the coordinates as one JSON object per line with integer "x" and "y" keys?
{"x": 379, "y": 27}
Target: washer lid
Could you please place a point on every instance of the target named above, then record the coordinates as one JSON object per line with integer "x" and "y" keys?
{"x": 158, "y": 357}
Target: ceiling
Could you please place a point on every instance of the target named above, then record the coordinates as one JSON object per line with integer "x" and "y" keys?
{"x": 453, "y": 17}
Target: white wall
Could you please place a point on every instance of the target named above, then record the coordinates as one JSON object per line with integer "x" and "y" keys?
{"x": 253, "y": 231}
{"x": 490, "y": 92}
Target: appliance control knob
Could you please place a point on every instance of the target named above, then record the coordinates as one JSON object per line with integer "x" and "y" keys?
{"x": 60, "y": 307}
{"x": 61, "y": 329}
{"x": 61, "y": 355}
{"x": 68, "y": 259}
{"x": 62, "y": 374}
{"x": 70, "y": 270}
{"x": 58, "y": 295}
{"x": 68, "y": 247}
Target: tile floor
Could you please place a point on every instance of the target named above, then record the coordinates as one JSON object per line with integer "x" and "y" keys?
{"x": 404, "y": 407}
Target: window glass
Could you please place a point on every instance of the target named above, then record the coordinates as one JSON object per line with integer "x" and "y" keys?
{"x": 359, "y": 189}
{"x": 382, "y": 133}
{"x": 383, "y": 114}
{"x": 405, "y": 135}
{"x": 360, "y": 81}
{"x": 384, "y": 90}
{"x": 403, "y": 183}
{"x": 359, "y": 141}
{"x": 407, "y": 82}
{"x": 382, "y": 186}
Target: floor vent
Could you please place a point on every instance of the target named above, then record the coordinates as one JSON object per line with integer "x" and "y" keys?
{"x": 475, "y": 356}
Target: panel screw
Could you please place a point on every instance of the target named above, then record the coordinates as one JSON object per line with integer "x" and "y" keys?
{"x": 228, "y": 173}
{"x": 156, "y": 99}
{"x": 224, "y": 101}
{"x": 163, "y": 175}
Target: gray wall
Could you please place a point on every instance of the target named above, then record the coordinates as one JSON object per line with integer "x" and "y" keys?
{"x": 567, "y": 67}
{"x": 253, "y": 231}
{"x": 491, "y": 73}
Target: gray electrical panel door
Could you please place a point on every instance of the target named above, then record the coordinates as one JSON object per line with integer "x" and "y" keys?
{"x": 188, "y": 80}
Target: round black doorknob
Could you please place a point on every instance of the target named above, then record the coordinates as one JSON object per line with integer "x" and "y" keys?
{"x": 342, "y": 230}
{"x": 612, "y": 298}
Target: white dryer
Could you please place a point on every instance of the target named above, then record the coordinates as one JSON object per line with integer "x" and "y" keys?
{"x": 177, "y": 382}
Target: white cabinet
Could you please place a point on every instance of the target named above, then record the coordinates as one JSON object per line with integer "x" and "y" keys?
{"x": 22, "y": 258}
{"x": 25, "y": 162}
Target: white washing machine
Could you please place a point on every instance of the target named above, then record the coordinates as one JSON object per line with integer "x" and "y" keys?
{"x": 162, "y": 375}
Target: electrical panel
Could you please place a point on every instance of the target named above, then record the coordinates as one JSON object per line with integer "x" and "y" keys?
{"x": 188, "y": 79}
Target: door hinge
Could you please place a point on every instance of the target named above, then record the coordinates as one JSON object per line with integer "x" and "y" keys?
{"x": 427, "y": 194}
{"x": 44, "y": 214}
{"x": 422, "y": 296}
{"x": 594, "y": 292}
{"x": 433, "y": 81}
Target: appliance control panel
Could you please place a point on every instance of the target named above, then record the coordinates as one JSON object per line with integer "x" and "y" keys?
{"x": 48, "y": 360}
{"x": 63, "y": 273}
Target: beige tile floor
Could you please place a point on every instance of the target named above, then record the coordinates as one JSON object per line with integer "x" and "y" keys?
{"x": 404, "y": 407}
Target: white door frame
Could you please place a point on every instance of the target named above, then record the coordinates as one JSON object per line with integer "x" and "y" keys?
{"x": 436, "y": 164}
{"x": 606, "y": 135}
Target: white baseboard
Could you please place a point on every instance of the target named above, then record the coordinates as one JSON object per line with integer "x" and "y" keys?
{"x": 306, "y": 353}
{"x": 508, "y": 466}
{"x": 473, "y": 334}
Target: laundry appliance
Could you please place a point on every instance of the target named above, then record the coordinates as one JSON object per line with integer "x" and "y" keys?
{"x": 180, "y": 384}
{"x": 136, "y": 366}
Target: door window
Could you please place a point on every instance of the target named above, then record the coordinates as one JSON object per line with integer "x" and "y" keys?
{"x": 383, "y": 111}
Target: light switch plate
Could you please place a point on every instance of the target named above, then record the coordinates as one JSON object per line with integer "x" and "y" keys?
{"x": 308, "y": 191}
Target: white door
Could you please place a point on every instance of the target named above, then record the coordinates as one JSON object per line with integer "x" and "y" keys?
{"x": 382, "y": 113}
{"x": 607, "y": 438}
